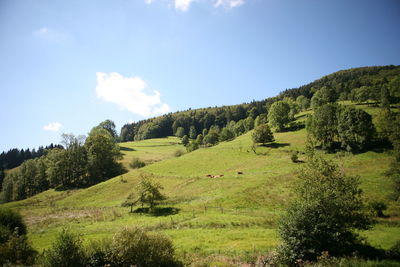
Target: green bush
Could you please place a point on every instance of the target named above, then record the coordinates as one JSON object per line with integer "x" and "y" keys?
{"x": 136, "y": 163}
{"x": 66, "y": 251}
{"x": 98, "y": 253}
{"x": 135, "y": 247}
{"x": 10, "y": 220}
{"x": 394, "y": 251}
{"x": 17, "y": 250}
{"x": 294, "y": 156}
{"x": 378, "y": 207}
{"x": 192, "y": 146}
{"x": 178, "y": 153}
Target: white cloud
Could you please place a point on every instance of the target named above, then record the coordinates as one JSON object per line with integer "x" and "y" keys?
{"x": 53, "y": 126}
{"x": 229, "y": 3}
{"x": 129, "y": 93}
{"x": 182, "y": 5}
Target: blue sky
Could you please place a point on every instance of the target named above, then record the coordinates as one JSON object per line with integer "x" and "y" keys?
{"x": 65, "y": 66}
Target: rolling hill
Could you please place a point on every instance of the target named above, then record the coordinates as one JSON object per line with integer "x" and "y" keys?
{"x": 234, "y": 215}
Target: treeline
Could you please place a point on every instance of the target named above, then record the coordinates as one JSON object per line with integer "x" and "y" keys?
{"x": 80, "y": 162}
{"x": 14, "y": 157}
{"x": 360, "y": 84}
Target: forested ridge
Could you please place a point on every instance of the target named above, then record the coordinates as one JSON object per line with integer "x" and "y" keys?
{"x": 357, "y": 84}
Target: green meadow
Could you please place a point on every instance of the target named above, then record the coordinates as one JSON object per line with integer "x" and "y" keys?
{"x": 234, "y": 215}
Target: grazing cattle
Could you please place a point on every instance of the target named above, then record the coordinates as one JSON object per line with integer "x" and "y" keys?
{"x": 239, "y": 172}
{"x": 214, "y": 176}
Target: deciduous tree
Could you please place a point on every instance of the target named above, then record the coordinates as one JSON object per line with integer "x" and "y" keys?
{"x": 279, "y": 115}
{"x": 262, "y": 134}
{"x": 325, "y": 215}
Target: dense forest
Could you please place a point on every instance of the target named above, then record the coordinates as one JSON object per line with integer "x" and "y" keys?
{"x": 375, "y": 84}
{"x": 15, "y": 157}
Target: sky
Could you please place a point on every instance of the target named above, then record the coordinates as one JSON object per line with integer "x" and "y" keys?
{"x": 65, "y": 66}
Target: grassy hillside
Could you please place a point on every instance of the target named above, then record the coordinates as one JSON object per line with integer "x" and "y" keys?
{"x": 234, "y": 215}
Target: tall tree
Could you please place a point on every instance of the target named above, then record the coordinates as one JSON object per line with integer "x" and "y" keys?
{"x": 103, "y": 153}
{"x": 279, "y": 115}
{"x": 109, "y": 125}
{"x": 327, "y": 212}
{"x": 192, "y": 132}
{"x": 323, "y": 125}
{"x": 355, "y": 128}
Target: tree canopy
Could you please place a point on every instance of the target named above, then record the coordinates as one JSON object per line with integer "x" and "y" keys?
{"x": 325, "y": 215}
{"x": 262, "y": 134}
{"x": 279, "y": 115}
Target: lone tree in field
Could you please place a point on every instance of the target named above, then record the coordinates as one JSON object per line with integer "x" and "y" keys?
{"x": 325, "y": 215}
{"x": 262, "y": 134}
{"x": 149, "y": 193}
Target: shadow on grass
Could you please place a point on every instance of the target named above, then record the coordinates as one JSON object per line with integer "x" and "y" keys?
{"x": 377, "y": 146}
{"x": 158, "y": 211}
{"x": 123, "y": 148}
{"x": 294, "y": 127}
{"x": 275, "y": 145}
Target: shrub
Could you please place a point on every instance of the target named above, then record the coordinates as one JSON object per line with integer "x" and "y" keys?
{"x": 178, "y": 153}
{"x": 394, "y": 251}
{"x": 192, "y": 146}
{"x": 66, "y": 251}
{"x": 17, "y": 250}
{"x": 136, "y": 163}
{"x": 294, "y": 156}
{"x": 10, "y": 220}
{"x": 185, "y": 140}
{"x": 135, "y": 247}
{"x": 98, "y": 253}
{"x": 14, "y": 246}
{"x": 378, "y": 207}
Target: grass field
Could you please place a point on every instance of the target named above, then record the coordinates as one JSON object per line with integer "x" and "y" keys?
{"x": 234, "y": 215}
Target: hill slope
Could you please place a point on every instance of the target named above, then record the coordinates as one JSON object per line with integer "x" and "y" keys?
{"x": 235, "y": 214}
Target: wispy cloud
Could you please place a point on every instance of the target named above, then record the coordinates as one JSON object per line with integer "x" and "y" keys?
{"x": 53, "y": 126}
{"x": 229, "y": 3}
{"x": 129, "y": 93}
{"x": 184, "y": 5}
{"x": 50, "y": 34}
